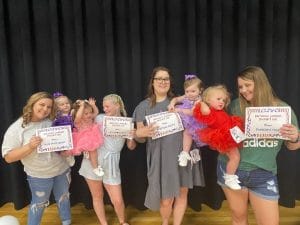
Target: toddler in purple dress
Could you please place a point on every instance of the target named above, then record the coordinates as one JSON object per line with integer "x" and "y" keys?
{"x": 63, "y": 116}
{"x": 183, "y": 105}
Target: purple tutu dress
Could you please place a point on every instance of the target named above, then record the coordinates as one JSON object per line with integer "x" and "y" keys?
{"x": 190, "y": 123}
{"x": 63, "y": 120}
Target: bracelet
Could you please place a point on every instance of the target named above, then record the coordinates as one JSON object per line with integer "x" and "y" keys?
{"x": 298, "y": 139}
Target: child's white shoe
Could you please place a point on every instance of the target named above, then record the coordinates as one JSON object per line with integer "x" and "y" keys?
{"x": 183, "y": 158}
{"x": 98, "y": 171}
{"x": 232, "y": 181}
{"x": 195, "y": 155}
{"x": 70, "y": 160}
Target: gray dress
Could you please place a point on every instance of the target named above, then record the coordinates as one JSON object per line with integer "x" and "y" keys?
{"x": 165, "y": 176}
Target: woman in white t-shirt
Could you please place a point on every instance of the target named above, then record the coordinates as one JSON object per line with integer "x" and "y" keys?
{"x": 46, "y": 172}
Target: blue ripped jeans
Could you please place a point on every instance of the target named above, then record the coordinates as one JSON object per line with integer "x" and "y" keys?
{"x": 40, "y": 191}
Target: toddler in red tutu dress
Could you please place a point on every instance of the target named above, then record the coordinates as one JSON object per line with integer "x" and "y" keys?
{"x": 184, "y": 105}
{"x": 87, "y": 136}
{"x": 217, "y": 134}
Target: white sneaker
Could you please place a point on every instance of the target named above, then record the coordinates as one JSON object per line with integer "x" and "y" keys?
{"x": 232, "y": 181}
{"x": 70, "y": 160}
{"x": 98, "y": 171}
{"x": 195, "y": 155}
{"x": 183, "y": 158}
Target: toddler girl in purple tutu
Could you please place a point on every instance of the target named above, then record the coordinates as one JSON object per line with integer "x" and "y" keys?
{"x": 183, "y": 105}
{"x": 63, "y": 117}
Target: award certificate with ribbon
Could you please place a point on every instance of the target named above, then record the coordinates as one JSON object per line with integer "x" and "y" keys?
{"x": 117, "y": 126}
{"x": 55, "y": 139}
{"x": 265, "y": 122}
{"x": 166, "y": 123}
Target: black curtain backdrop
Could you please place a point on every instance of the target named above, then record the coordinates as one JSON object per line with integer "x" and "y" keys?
{"x": 96, "y": 47}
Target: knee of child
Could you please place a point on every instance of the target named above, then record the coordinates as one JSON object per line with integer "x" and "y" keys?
{"x": 117, "y": 202}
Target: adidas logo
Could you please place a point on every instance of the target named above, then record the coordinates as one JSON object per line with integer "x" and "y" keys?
{"x": 264, "y": 143}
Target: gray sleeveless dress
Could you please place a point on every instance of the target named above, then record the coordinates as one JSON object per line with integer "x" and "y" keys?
{"x": 165, "y": 176}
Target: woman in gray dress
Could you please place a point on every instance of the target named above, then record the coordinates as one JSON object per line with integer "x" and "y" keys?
{"x": 167, "y": 182}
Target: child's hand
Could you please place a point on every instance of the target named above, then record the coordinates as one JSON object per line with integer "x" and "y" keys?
{"x": 80, "y": 102}
{"x": 132, "y": 134}
{"x": 92, "y": 101}
{"x": 171, "y": 107}
{"x": 197, "y": 101}
{"x": 131, "y": 144}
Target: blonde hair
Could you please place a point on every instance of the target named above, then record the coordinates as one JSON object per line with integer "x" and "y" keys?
{"x": 194, "y": 81}
{"x": 76, "y": 106}
{"x": 56, "y": 100}
{"x": 116, "y": 99}
{"x": 263, "y": 94}
{"x": 28, "y": 108}
{"x": 210, "y": 90}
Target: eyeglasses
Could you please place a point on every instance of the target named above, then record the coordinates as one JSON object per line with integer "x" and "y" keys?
{"x": 161, "y": 80}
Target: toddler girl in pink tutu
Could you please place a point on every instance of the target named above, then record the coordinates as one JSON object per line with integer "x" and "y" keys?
{"x": 87, "y": 136}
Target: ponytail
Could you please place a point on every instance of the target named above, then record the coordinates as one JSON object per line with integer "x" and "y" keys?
{"x": 116, "y": 99}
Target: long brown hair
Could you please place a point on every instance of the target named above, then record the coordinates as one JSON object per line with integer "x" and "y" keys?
{"x": 28, "y": 108}
{"x": 263, "y": 94}
{"x": 151, "y": 95}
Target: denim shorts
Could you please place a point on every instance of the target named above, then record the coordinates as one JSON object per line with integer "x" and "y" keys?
{"x": 261, "y": 182}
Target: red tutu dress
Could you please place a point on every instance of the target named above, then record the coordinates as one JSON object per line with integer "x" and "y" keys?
{"x": 86, "y": 139}
{"x": 217, "y": 133}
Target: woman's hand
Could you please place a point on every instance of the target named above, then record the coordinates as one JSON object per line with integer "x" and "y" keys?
{"x": 290, "y": 132}
{"x": 34, "y": 142}
{"x": 146, "y": 131}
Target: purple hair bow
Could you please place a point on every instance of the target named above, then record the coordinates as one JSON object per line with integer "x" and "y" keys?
{"x": 189, "y": 76}
{"x": 57, "y": 94}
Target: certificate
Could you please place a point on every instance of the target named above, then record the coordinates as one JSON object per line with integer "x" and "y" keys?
{"x": 166, "y": 122}
{"x": 55, "y": 139}
{"x": 117, "y": 126}
{"x": 265, "y": 122}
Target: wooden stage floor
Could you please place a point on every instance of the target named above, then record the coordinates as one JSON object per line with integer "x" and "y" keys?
{"x": 207, "y": 216}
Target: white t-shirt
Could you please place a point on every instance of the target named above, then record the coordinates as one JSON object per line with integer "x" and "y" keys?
{"x": 41, "y": 165}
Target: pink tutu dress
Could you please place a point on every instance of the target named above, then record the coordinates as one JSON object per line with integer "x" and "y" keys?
{"x": 86, "y": 139}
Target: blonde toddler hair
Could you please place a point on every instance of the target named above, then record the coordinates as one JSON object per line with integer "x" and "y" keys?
{"x": 210, "y": 90}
